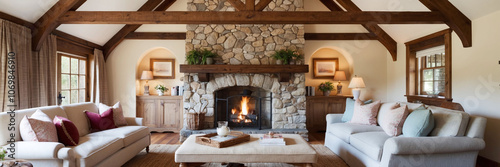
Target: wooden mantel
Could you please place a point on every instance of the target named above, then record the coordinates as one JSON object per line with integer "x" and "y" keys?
{"x": 284, "y": 71}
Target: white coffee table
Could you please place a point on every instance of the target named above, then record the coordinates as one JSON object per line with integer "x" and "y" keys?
{"x": 297, "y": 152}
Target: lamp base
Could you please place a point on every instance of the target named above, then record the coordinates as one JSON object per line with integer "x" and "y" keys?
{"x": 339, "y": 89}
{"x": 356, "y": 93}
{"x": 146, "y": 90}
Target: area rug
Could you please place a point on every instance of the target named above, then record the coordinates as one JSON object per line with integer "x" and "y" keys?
{"x": 163, "y": 155}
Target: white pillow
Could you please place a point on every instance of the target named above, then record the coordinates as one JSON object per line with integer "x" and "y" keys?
{"x": 394, "y": 119}
{"x": 117, "y": 113}
{"x": 38, "y": 127}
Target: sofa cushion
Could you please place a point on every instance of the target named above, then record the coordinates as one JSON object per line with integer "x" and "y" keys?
{"x": 365, "y": 113}
{"x": 66, "y": 131}
{"x": 384, "y": 108}
{"x": 349, "y": 109}
{"x": 370, "y": 143}
{"x": 117, "y": 113}
{"x": 101, "y": 122}
{"x": 38, "y": 127}
{"x": 94, "y": 149}
{"x": 129, "y": 134}
{"x": 394, "y": 120}
{"x": 418, "y": 123}
{"x": 448, "y": 122}
{"x": 345, "y": 130}
{"x": 76, "y": 114}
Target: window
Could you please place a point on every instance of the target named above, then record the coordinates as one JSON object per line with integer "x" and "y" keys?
{"x": 73, "y": 79}
{"x": 428, "y": 66}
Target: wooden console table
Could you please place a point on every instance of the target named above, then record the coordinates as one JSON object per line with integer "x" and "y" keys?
{"x": 317, "y": 107}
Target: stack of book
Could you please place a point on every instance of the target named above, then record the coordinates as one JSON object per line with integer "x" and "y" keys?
{"x": 272, "y": 140}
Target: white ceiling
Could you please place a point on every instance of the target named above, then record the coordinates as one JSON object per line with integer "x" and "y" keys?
{"x": 32, "y": 10}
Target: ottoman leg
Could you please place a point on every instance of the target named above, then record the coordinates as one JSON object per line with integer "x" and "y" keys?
{"x": 147, "y": 149}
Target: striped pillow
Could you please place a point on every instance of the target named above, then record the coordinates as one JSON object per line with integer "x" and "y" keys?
{"x": 38, "y": 127}
{"x": 66, "y": 131}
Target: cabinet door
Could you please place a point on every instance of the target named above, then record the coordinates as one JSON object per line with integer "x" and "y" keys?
{"x": 316, "y": 113}
{"x": 171, "y": 114}
{"x": 336, "y": 106}
{"x": 147, "y": 110}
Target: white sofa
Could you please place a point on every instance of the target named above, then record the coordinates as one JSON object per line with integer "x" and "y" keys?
{"x": 113, "y": 147}
{"x": 455, "y": 141}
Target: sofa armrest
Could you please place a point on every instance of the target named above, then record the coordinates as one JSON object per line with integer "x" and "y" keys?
{"x": 133, "y": 121}
{"x": 431, "y": 145}
{"x": 334, "y": 118}
{"x": 66, "y": 153}
{"x": 37, "y": 150}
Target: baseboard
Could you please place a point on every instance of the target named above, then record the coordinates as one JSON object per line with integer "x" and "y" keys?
{"x": 485, "y": 162}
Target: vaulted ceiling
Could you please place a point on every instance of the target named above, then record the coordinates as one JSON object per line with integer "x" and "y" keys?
{"x": 32, "y": 10}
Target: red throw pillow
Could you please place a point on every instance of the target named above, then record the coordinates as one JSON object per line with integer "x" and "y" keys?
{"x": 101, "y": 122}
{"x": 66, "y": 131}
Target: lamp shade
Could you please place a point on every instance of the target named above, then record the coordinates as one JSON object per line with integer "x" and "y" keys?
{"x": 357, "y": 82}
{"x": 146, "y": 75}
{"x": 339, "y": 76}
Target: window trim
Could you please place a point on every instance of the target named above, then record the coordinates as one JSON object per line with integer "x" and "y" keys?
{"x": 423, "y": 67}
{"x": 412, "y": 66}
{"x": 59, "y": 55}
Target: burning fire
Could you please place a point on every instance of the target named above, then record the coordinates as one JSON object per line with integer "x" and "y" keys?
{"x": 244, "y": 110}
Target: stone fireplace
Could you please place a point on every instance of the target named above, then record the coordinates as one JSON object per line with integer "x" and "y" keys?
{"x": 248, "y": 44}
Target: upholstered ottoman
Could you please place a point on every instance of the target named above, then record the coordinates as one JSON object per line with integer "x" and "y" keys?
{"x": 297, "y": 151}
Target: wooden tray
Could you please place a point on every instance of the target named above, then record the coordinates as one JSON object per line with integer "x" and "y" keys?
{"x": 205, "y": 139}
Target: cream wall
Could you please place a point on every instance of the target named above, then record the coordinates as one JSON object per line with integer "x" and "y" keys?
{"x": 366, "y": 59}
{"x": 475, "y": 77}
{"x": 124, "y": 65}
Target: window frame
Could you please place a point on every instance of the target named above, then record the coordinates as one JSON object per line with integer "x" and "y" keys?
{"x": 413, "y": 72}
{"x": 59, "y": 74}
{"x": 422, "y": 67}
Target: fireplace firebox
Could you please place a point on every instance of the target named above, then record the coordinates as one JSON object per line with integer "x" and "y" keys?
{"x": 244, "y": 107}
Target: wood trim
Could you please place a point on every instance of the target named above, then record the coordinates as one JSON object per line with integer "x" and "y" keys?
{"x": 262, "y": 5}
{"x": 482, "y": 161}
{"x": 237, "y": 4}
{"x": 248, "y": 17}
{"x": 76, "y": 40}
{"x": 340, "y": 36}
{"x": 448, "y": 66}
{"x": 68, "y": 46}
{"x": 330, "y": 4}
{"x": 244, "y": 69}
{"x": 16, "y": 20}
{"x": 48, "y": 22}
{"x": 156, "y": 35}
{"x": 250, "y": 5}
{"x": 127, "y": 29}
{"x": 456, "y": 20}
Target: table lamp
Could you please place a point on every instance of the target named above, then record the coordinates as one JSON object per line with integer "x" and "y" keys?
{"x": 356, "y": 84}
{"x": 339, "y": 76}
{"x": 146, "y": 75}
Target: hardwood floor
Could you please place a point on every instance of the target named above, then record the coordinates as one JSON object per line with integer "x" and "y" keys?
{"x": 173, "y": 138}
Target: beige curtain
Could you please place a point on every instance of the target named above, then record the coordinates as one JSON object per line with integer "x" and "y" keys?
{"x": 16, "y": 40}
{"x": 98, "y": 78}
{"x": 43, "y": 74}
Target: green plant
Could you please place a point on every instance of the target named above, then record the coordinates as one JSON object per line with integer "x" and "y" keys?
{"x": 3, "y": 152}
{"x": 206, "y": 54}
{"x": 325, "y": 86}
{"x": 198, "y": 56}
{"x": 160, "y": 87}
{"x": 286, "y": 55}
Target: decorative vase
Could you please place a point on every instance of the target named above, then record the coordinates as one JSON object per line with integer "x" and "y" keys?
{"x": 160, "y": 93}
{"x": 279, "y": 62}
{"x": 210, "y": 60}
{"x": 326, "y": 93}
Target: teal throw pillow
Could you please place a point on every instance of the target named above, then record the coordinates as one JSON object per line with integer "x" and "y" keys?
{"x": 349, "y": 109}
{"x": 418, "y": 123}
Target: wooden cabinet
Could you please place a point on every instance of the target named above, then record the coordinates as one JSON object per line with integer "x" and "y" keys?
{"x": 161, "y": 113}
{"x": 317, "y": 107}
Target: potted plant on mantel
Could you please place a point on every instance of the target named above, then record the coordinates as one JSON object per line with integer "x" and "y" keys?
{"x": 286, "y": 56}
{"x": 326, "y": 88}
{"x": 198, "y": 56}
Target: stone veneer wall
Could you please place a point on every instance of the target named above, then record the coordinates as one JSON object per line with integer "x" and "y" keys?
{"x": 248, "y": 44}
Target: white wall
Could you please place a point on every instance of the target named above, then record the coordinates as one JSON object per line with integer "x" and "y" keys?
{"x": 475, "y": 77}
{"x": 367, "y": 59}
{"x": 124, "y": 61}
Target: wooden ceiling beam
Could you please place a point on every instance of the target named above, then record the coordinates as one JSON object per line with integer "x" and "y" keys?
{"x": 237, "y": 4}
{"x": 382, "y": 36}
{"x": 340, "y": 36}
{"x": 250, "y": 5}
{"x": 150, "y": 5}
{"x": 16, "y": 20}
{"x": 330, "y": 4}
{"x": 262, "y": 5}
{"x": 48, "y": 22}
{"x": 249, "y": 17}
{"x": 76, "y": 40}
{"x": 455, "y": 19}
{"x": 157, "y": 35}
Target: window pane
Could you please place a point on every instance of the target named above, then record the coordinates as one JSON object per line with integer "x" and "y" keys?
{"x": 81, "y": 96}
{"x": 74, "y": 66}
{"x": 64, "y": 81}
{"x": 428, "y": 60}
{"x": 81, "y": 81}
{"x": 66, "y": 98}
{"x": 433, "y": 61}
{"x": 82, "y": 66}
{"x": 439, "y": 86}
{"x": 443, "y": 62}
{"x": 64, "y": 64}
{"x": 428, "y": 87}
{"x": 74, "y": 96}
{"x": 74, "y": 81}
{"x": 438, "y": 60}
{"x": 439, "y": 74}
{"x": 428, "y": 75}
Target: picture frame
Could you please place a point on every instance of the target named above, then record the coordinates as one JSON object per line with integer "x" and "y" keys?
{"x": 163, "y": 68}
{"x": 324, "y": 68}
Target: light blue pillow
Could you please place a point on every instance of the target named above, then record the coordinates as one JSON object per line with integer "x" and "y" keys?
{"x": 349, "y": 109}
{"x": 418, "y": 123}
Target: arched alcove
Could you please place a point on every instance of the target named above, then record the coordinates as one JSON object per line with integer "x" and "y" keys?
{"x": 143, "y": 64}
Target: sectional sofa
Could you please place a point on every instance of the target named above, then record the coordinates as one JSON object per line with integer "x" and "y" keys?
{"x": 106, "y": 148}
{"x": 455, "y": 141}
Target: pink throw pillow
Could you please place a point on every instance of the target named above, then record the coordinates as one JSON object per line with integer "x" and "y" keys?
{"x": 66, "y": 131}
{"x": 365, "y": 113}
{"x": 117, "y": 113}
{"x": 101, "y": 122}
{"x": 394, "y": 120}
{"x": 38, "y": 127}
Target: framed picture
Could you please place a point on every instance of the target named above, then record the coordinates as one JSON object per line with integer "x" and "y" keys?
{"x": 325, "y": 67}
{"x": 163, "y": 68}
